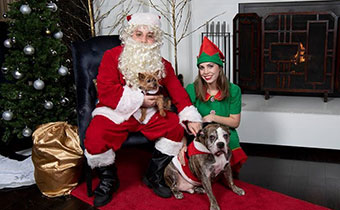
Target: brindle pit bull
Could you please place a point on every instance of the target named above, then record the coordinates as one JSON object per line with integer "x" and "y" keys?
{"x": 207, "y": 157}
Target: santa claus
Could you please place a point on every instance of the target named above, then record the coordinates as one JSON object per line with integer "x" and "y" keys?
{"x": 118, "y": 110}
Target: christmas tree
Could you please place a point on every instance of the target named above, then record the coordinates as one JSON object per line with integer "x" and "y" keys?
{"x": 40, "y": 85}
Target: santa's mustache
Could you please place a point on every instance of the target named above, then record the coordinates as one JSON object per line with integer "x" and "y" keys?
{"x": 139, "y": 57}
{"x": 143, "y": 47}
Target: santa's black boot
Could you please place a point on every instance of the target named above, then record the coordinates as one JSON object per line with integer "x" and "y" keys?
{"x": 154, "y": 177}
{"x": 108, "y": 184}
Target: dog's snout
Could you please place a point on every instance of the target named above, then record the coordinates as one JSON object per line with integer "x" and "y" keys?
{"x": 220, "y": 145}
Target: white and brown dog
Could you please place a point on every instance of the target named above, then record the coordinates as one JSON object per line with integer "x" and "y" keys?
{"x": 207, "y": 157}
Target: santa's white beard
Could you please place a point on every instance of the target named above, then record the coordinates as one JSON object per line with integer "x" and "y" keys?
{"x": 139, "y": 57}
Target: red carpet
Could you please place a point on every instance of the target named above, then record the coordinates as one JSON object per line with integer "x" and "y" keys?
{"x": 134, "y": 195}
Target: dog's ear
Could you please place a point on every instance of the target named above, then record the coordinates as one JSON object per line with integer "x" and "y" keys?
{"x": 200, "y": 136}
{"x": 157, "y": 73}
{"x": 141, "y": 76}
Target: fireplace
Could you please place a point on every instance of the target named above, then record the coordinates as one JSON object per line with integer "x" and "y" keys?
{"x": 292, "y": 52}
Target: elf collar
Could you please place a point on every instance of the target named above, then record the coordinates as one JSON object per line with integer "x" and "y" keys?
{"x": 213, "y": 98}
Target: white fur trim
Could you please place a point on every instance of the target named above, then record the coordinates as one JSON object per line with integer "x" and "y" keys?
{"x": 145, "y": 19}
{"x": 130, "y": 102}
{"x": 149, "y": 113}
{"x": 168, "y": 147}
{"x": 191, "y": 114}
{"x": 100, "y": 160}
{"x": 178, "y": 165}
{"x": 200, "y": 147}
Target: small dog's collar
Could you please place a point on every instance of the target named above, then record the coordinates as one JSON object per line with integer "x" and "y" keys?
{"x": 150, "y": 92}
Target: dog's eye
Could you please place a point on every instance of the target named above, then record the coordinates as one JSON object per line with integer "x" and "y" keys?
{"x": 225, "y": 136}
{"x": 212, "y": 138}
{"x": 148, "y": 80}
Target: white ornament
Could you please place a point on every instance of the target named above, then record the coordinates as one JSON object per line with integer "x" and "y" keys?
{"x": 53, "y": 52}
{"x": 20, "y": 95}
{"x": 58, "y": 35}
{"x": 4, "y": 70}
{"x": 48, "y": 105}
{"x": 62, "y": 71}
{"x": 28, "y": 50}
{"x": 39, "y": 84}
{"x": 25, "y": 9}
{"x": 7, "y": 115}
{"x": 17, "y": 75}
{"x": 8, "y": 43}
{"x": 64, "y": 101}
{"x": 52, "y": 6}
{"x": 27, "y": 132}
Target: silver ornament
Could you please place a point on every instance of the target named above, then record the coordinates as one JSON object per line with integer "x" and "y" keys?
{"x": 27, "y": 132}
{"x": 5, "y": 15}
{"x": 8, "y": 43}
{"x": 25, "y": 9}
{"x": 4, "y": 70}
{"x": 17, "y": 74}
{"x": 13, "y": 39}
{"x": 7, "y": 115}
{"x": 64, "y": 101}
{"x": 48, "y": 105}
{"x": 28, "y": 50}
{"x": 52, "y": 6}
{"x": 39, "y": 84}
{"x": 62, "y": 71}
{"x": 58, "y": 35}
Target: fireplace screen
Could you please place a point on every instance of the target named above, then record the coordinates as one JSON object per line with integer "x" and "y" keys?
{"x": 298, "y": 52}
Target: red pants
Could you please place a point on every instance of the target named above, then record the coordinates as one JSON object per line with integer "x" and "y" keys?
{"x": 103, "y": 134}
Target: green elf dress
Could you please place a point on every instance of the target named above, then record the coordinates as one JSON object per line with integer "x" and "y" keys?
{"x": 225, "y": 107}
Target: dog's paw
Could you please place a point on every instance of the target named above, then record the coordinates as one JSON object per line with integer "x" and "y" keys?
{"x": 179, "y": 195}
{"x": 238, "y": 191}
{"x": 199, "y": 190}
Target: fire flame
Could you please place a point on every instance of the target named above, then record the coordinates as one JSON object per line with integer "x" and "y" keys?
{"x": 299, "y": 57}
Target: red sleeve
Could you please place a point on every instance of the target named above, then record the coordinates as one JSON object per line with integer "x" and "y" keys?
{"x": 109, "y": 79}
{"x": 178, "y": 95}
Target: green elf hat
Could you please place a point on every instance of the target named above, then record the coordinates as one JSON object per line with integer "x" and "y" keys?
{"x": 209, "y": 52}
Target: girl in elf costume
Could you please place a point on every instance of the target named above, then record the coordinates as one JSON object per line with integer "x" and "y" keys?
{"x": 216, "y": 99}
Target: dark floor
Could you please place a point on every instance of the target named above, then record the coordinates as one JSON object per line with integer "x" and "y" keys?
{"x": 312, "y": 175}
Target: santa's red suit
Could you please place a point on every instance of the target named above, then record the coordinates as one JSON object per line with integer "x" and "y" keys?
{"x": 118, "y": 111}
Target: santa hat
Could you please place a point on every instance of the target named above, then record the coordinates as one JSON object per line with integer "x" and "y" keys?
{"x": 144, "y": 19}
{"x": 209, "y": 52}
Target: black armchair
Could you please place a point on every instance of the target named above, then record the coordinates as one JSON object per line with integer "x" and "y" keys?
{"x": 87, "y": 56}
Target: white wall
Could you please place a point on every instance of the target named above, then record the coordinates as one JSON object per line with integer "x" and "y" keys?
{"x": 189, "y": 47}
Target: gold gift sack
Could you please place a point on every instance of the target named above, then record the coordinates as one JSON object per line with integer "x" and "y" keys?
{"x": 57, "y": 158}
